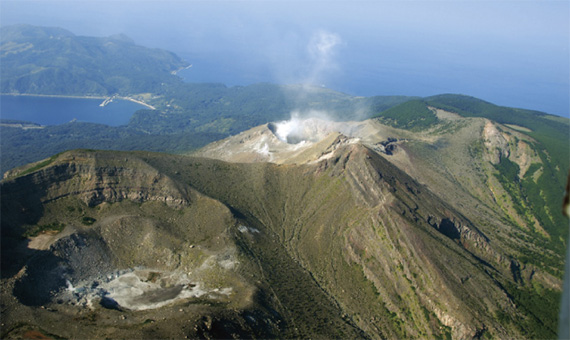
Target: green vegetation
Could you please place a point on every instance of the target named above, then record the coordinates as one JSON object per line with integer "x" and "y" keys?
{"x": 209, "y": 107}
{"x": 44, "y": 228}
{"x": 297, "y": 210}
{"x": 508, "y": 176}
{"x": 543, "y": 197}
{"x": 39, "y": 165}
{"x": 541, "y": 309}
{"x": 86, "y": 220}
{"x": 411, "y": 115}
{"x": 20, "y": 146}
{"x": 508, "y": 171}
{"x": 553, "y": 134}
{"x": 75, "y": 65}
{"x": 40, "y": 60}
{"x": 198, "y": 114}
{"x": 302, "y": 212}
{"x": 530, "y": 200}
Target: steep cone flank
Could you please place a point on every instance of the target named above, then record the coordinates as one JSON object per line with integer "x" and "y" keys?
{"x": 382, "y": 233}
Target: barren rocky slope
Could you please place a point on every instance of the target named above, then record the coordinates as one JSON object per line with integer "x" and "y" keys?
{"x": 462, "y": 160}
{"x": 338, "y": 241}
{"x": 142, "y": 254}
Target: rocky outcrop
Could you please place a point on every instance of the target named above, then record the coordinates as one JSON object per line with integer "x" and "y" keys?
{"x": 88, "y": 176}
{"x": 495, "y": 143}
{"x": 502, "y": 142}
{"x": 377, "y": 182}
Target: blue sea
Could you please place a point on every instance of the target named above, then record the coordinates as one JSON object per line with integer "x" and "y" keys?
{"x": 59, "y": 110}
{"x": 393, "y": 74}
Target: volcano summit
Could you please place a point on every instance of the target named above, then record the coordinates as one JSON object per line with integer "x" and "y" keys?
{"x": 434, "y": 217}
{"x": 306, "y": 228}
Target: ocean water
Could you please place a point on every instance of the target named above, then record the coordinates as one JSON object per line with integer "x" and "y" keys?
{"x": 397, "y": 73}
{"x": 59, "y": 110}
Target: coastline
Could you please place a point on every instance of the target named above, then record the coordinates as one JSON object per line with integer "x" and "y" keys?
{"x": 138, "y": 102}
{"x": 51, "y": 95}
{"x": 175, "y": 72}
{"x": 78, "y": 97}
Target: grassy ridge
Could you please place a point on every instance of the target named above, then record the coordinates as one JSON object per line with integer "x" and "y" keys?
{"x": 543, "y": 197}
{"x": 411, "y": 115}
{"x": 552, "y": 134}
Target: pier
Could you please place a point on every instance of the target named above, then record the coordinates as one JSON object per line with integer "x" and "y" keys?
{"x": 107, "y": 101}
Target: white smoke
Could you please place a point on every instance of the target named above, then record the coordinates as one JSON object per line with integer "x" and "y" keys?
{"x": 322, "y": 48}
{"x": 287, "y": 127}
{"x": 303, "y": 59}
{"x": 262, "y": 148}
{"x": 69, "y": 285}
{"x": 309, "y": 127}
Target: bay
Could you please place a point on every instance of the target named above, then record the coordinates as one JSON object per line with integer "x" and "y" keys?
{"x": 59, "y": 110}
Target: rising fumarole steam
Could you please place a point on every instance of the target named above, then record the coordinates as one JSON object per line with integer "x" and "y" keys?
{"x": 313, "y": 127}
{"x": 322, "y": 48}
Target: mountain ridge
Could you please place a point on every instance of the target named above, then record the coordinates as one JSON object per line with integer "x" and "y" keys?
{"x": 364, "y": 201}
{"x": 400, "y": 217}
{"x": 37, "y": 60}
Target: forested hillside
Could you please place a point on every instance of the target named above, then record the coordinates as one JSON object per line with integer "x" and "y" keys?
{"x": 43, "y": 60}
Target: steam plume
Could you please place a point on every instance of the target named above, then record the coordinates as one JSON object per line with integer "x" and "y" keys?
{"x": 310, "y": 125}
{"x": 321, "y": 49}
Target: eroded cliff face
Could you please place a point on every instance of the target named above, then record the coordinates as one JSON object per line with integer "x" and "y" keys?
{"x": 94, "y": 180}
{"x": 507, "y": 143}
{"x": 507, "y": 150}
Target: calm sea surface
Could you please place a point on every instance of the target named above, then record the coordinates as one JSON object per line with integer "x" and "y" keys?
{"x": 55, "y": 110}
